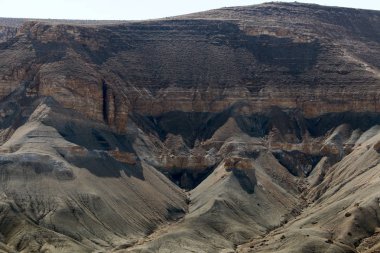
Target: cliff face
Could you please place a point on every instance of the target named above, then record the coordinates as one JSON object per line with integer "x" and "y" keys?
{"x": 260, "y": 114}
{"x": 291, "y": 56}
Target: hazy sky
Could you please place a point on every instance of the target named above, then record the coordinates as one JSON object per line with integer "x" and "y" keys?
{"x": 136, "y": 9}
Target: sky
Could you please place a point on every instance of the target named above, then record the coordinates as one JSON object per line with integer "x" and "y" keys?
{"x": 137, "y": 9}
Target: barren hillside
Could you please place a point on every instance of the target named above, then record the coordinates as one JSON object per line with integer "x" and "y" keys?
{"x": 245, "y": 129}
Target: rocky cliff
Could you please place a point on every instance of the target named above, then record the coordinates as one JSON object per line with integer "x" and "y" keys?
{"x": 247, "y": 129}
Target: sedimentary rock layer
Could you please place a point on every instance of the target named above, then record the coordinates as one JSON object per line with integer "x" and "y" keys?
{"x": 246, "y": 129}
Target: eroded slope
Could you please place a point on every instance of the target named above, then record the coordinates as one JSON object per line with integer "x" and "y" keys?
{"x": 252, "y": 126}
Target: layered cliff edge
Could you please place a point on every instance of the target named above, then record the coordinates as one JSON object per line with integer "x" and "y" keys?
{"x": 242, "y": 129}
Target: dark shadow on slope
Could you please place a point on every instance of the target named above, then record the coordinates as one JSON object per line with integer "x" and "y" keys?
{"x": 357, "y": 120}
{"x": 185, "y": 178}
{"x": 296, "y": 57}
{"x": 191, "y": 126}
{"x": 246, "y": 179}
{"x": 91, "y": 135}
{"x": 297, "y": 163}
{"x": 243, "y": 171}
{"x": 290, "y": 124}
{"x": 175, "y": 213}
{"x": 50, "y": 52}
{"x": 102, "y": 165}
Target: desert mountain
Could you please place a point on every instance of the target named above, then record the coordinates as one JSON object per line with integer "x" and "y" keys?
{"x": 244, "y": 129}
